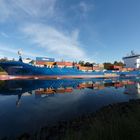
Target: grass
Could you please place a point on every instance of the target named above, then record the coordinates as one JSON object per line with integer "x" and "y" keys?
{"x": 3, "y": 73}
{"x": 115, "y": 122}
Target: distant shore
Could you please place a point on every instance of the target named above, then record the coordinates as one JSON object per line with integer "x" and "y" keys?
{"x": 120, "y": 121}
{"x": 3, "y": 73}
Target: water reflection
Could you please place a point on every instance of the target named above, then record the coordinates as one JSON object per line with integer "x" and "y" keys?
{"x": 132, "y": 89}
{"x": 28, "y": 105}
{"x": 42, "y": 88}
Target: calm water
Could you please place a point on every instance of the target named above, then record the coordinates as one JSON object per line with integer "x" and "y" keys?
{"x": 28, "y": 105}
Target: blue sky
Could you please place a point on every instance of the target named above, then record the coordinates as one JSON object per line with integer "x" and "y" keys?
{"x": 90, "y": 30}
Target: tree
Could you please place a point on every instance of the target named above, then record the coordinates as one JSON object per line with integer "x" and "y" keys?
{"x": 115, "y": 62}
{"x": 82, "y": 63}
{"x": 107, "y": 65}
{"x": 1, "y": 69}
{"x": 118, "y": 63}
{"x": 88, "y": 64}
{"x": 3, "y": 59}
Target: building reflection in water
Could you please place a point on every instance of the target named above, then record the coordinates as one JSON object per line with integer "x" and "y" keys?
{"x": 47, "y": 88}
{"x": 47, "y": 102}
{"x": 132, "y": 89}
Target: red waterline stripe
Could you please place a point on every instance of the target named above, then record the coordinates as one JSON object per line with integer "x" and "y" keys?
{"x": 10, "y": 77}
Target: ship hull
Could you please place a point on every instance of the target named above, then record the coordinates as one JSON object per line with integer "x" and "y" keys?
{"x": 20, "y": 70}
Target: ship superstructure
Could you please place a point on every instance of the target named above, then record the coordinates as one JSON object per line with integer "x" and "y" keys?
{"x": 132, "y": 60}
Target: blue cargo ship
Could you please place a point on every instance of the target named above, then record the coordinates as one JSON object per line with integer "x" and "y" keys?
{"x": 19, "y": 69}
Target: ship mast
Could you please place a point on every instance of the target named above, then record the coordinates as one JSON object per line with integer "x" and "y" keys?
{"x": 132, "y": 53}
{"x": 20, "y": 57}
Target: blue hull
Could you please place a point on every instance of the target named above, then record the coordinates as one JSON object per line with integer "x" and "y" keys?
{"x": 22, "y": 69}
{"x": 19, "y": 68}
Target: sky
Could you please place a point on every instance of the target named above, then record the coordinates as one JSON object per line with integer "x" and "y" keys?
{"x": 90, "y": 30}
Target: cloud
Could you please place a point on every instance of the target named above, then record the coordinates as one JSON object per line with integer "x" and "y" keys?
{"x": 5, "y": 12}
{"x": 3, "y": 34}
{"x": 37, "y": 8}
{"x": 82, "y": 8}
{"x": 6, "y": 50}
{"x": 17, "y": 9}
{"x": 38, "y": 12}
{"x": 55, "y": 41}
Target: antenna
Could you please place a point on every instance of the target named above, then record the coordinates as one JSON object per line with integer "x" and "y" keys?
{"x": 132, "y": 52}
{"x": 19, "y": 52}
{"x": 20, "y": 57}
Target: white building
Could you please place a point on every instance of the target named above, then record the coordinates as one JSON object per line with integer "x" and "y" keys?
{"x": 132, "y": 61}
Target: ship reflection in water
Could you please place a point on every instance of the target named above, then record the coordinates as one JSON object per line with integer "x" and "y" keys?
{"x": 28, "y": 105}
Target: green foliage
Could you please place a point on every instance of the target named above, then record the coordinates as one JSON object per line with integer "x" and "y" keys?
{"x": 82, "y": 63}
{"x": 88, "y": 64}
{"x": 1, "y": 69}
{"x": 120, "y": 122}
{"x": 115, "y": 122}
{"x": 118, "y": 63}
{"x": 107, "y": 65}
{"x": 3, "y": 59}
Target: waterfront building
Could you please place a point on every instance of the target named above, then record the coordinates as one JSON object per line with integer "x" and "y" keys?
{"x": 132, "y": 61}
